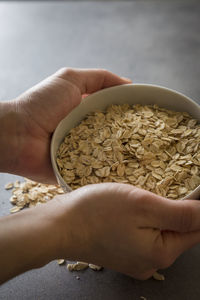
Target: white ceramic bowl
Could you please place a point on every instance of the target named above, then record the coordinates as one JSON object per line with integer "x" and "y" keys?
{"x": 132, "y": 94}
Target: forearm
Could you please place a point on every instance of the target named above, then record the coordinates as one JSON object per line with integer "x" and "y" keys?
{"x": 29, "y": 239}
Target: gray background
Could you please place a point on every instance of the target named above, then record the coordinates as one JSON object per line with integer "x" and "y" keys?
{"x": 148, "y": 41}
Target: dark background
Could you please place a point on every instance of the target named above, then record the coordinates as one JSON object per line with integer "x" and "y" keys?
{"x": 150, "y": 42}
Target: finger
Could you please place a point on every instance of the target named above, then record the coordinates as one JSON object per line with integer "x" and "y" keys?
{"x": 91, "y": 80}
{"x": 180, "y": 215}
{"x": 174, "y": 244}
{"x": 143, "y": 275}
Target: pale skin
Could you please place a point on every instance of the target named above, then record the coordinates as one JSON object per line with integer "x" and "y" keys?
{"x": 113, "y": 225}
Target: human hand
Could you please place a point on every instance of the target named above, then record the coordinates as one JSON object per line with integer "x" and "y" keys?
{"x": 113, "y": 225}
{"x": 127, "y": 229}
{"x": 28, "y": 122}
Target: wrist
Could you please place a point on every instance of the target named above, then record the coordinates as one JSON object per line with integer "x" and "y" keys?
{"x": 76, "y": 242}
{"x": 10, "y": 127}
{"x": 46, "y": 223}
{"x": 29, "y": 239}
{"x": 60, "y": 233}
{"x": 63, "y": 233}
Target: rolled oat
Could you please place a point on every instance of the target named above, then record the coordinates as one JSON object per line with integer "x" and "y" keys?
{"x": 147, "y": 146}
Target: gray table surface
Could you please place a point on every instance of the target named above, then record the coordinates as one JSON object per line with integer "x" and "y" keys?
{"x": 148, "y": 41}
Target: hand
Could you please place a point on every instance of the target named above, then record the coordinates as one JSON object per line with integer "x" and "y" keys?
{"x": 112, "y": 225}
{"x": 28, "y": 122}
{"x": 127, "y": 229}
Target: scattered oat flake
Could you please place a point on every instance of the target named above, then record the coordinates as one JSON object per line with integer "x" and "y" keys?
{"x": 9, "y": 186}
{"x": 17, "y": 184}
{"x": 14, "y": 209}
{"x": 78, "y": 266}
{"x": 95, "y": 267}
{"x": 60, "y": 261}
{"x": 158, "y": 276}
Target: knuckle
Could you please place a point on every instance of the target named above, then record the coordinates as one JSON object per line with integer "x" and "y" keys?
{"x": 137, "y": 195}
{"x": 105, "y": 71}
{"x": 101, "y": 70}
{"x": 66, "y": 72}
{"x": 69, "y": 72}
{"x": 142, "y": 201}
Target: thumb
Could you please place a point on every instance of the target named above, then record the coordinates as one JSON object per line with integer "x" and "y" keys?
{"x": 91, "y": 80}
{"x": 177, "y": 215}
{"x": 177, "y": 243}
{"x": 179, "y": 222}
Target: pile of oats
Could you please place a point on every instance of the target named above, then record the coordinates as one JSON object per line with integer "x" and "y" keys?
{"x": 30, "y": 193}
{"x": 147, "y": 146}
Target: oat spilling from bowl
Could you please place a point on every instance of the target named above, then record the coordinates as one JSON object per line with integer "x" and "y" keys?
{"x": 147, "y": 146}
